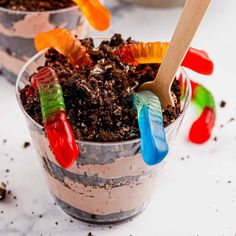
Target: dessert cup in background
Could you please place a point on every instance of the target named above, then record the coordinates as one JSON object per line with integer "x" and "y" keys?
{"x": 18, "y": 29}
{"x": 158, "y": 3}
{"x": 109, "y": 182}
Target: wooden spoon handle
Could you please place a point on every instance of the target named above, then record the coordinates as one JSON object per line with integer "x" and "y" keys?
{"x": 189, "y": 21}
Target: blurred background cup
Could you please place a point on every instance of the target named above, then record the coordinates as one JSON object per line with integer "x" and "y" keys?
{"x": 18, "y": 29}
{"x": 158, "y": 3}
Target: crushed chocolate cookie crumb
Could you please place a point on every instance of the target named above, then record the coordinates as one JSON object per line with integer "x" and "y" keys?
{"x": 26, "y": 144}
{"x": 4, "y": 141}
{"x": 56, "y": 223}
{"x": 36, "y": 5}
{"x": 90, "y": 234}
{"x": 222, "y": 104}
{"x": 98, "y": 103}
{"x": 40, "y": 216}
{"x": 215, "y": 139}
{"x": 230, "y": 120}
{"x": 8, "y": 51}
{"x": 2, "y": 191}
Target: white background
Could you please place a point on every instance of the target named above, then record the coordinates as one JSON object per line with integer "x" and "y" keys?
{"x": 195, "y": 196}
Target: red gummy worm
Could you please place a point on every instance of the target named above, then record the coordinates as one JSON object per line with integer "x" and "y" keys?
{"x": 61, "y": 139}
{"x": 125, "y": 54}
{"x": 201, "y": 129}
{"x": 59, "y": 132}
{"x": 193, "y": 86}
{"x": 198, "y": 61}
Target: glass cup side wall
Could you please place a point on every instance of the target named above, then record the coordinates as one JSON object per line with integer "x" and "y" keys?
{"x": 109, "y": 182}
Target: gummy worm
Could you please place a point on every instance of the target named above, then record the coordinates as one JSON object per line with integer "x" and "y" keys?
{"x": 147, "y": 53}
{"x": 58, "y": 129}
{"x": 201, "y": 129}
{"x": 64, "y": 42}
{"x": 97, "y": 15}
{"x": 154, "y": 145}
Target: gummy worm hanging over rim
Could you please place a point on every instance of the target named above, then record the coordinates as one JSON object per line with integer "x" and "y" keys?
{"x": 149, "y": 53}
{"x": 58, "y": 129}
{"x": 64, "y": 42}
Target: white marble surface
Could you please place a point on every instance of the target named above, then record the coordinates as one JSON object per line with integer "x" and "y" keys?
{"x": 195, "y": 196}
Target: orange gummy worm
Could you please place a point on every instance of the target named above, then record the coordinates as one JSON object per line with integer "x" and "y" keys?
{"x": 145, "y": 53}
{"x": 97, "y": 15}
{"x": 64, "y": 42}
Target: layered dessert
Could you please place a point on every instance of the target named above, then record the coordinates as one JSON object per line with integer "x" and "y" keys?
{"x": 22, "y": 20}
{"x": 36, "y": 5}
{"x": 109, "y": 181}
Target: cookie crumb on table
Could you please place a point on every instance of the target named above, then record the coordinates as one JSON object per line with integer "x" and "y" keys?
{"x": 2, "y": 191}
{"x": 231, "y": 119}
{"x": 222, "y": 104}
{"x": 26, "y": 144}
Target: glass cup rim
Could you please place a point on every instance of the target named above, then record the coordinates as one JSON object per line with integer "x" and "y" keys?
{"x": 37, "y": 12}
{"x": 41, "y": 53}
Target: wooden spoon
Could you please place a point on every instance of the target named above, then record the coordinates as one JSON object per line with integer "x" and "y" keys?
{"x": 186, "y": 28}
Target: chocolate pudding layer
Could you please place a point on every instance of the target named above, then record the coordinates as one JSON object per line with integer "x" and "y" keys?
{"x": 109, "y": 182}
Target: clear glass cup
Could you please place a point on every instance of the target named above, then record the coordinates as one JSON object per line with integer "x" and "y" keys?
{"x": 18, "y": 29}
{"x": 158, "y": 3}
{"x": 109, "y": 182}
